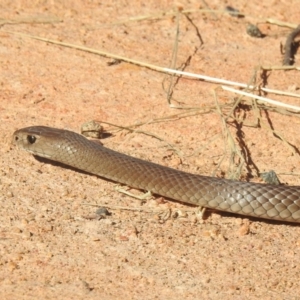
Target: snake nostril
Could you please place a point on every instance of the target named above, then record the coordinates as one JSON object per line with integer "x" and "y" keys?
{"x": 31, "y": 139}
{"x": 16, "y": 138}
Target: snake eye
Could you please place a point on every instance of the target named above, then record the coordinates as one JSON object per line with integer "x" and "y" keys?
{"x": 31, "y": 139}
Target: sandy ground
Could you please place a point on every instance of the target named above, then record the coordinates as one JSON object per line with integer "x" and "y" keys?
{"x": 51, "y": 246}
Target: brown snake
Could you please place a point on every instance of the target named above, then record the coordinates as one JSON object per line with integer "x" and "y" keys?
{"x": 276, "y": 202}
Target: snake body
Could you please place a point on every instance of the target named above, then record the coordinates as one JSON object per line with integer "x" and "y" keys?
{"x": 276, "y": 202}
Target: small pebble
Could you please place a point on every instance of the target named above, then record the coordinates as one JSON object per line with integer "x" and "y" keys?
{"x": 254, "y": 31}
{"x": 92, "y": 129}
{"x": 102, "y": 211}
{"x": 233, "y": 11}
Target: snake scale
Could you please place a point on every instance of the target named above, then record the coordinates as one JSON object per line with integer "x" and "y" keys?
{"x": 276, "y": 202}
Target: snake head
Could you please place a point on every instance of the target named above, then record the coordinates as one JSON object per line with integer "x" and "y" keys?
{"x": 40, "y": 140}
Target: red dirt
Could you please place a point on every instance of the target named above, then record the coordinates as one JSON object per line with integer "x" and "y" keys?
{"x": 50, "y": 247}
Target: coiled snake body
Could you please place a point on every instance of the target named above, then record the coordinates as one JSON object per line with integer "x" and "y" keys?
{"x": 249, "y": 199}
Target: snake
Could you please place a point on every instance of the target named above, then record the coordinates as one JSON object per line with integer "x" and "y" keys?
{"x": 258, "y": 200}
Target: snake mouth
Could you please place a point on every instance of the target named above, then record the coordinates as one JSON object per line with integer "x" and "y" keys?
{"x": 34, "y": 152}
{"x": 37, "y": 153}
